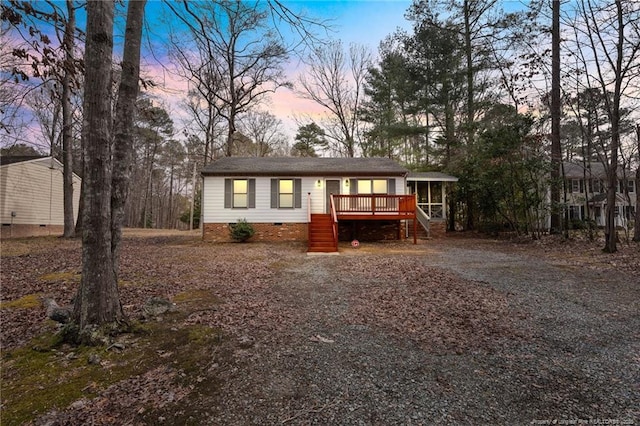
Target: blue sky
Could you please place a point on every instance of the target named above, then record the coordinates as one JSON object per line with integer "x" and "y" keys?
{"x": 360, "y": 21}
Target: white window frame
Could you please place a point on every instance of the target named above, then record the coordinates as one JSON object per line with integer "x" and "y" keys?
{"x": 237, "y": 194}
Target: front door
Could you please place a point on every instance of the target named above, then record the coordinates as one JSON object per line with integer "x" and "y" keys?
{"x": 332, "y": 187}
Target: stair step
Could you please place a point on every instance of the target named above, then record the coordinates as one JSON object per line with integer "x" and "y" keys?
{"x": 321, "y": 234}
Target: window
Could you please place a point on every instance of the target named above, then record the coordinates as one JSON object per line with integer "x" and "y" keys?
{"x": 240, "y": 189}
{"x": 631, "y": 187}
{"x": 373, "y": 186}
{"x": 575, "y": 212}
{"x": 575, "y": 186}
{"x": 286, "y": 193}
{"x": 597, "y": 213}
{"x": 629, "y": 212}
{"x": 596, "y": 186}
{"x": 239, "y": 193}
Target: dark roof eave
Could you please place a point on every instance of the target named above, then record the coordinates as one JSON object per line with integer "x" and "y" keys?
{"x": 305, "y": 174}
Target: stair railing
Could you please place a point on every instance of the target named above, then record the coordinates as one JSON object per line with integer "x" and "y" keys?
{"x": 423, "y": 219}
{"x": 334, "y": 222}
{"x": 309, "y": 217}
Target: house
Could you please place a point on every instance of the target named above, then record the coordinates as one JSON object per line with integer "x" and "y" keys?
{"x": 318, "y": 200}
{"x": 586, "y": 187}
{"x": 31, "y": 196}
{"x": 431, "y": 197}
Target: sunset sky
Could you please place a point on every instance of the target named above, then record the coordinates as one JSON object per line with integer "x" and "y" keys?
{"x": 365, "y": 22}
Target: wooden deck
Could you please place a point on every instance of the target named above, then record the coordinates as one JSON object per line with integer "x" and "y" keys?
{"x": 375, "y": 207}
{"x": 323, "y": 228}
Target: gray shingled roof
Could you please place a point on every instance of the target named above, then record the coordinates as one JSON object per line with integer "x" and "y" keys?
{"x": 431, "y": 176}
{"x": 303, "y": 166}
{"x": 12, "y": 159}
{"x": 594, "y": 170}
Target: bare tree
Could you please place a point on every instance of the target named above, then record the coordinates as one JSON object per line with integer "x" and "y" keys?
{"x": 12, "y": 91}
{"x": 556, "y": 148}
{"x": 611, "y": 35}
{"x": 263, "y": 129}
{"x": 68, "y": 72}
{"x": 636, "y": 226}
{"x": 97, "y": 302}
{"x": 335, "y": 81}
{"x": 239, "y": 59}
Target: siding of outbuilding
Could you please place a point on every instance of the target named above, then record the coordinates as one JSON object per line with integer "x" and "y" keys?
{"x": 34, "y": 191}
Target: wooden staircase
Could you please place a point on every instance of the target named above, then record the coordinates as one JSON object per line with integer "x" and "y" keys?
{"x": 421, "y": 233}
{"x": 321, "y": 239}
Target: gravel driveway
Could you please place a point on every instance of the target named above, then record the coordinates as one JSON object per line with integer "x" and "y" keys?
{"x": 567, "y": 349}
{"x": 454, "y": 331}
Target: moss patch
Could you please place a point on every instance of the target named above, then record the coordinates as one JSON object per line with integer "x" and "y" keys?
{"x": 200, "y": 297}
{"x": 55, "y": 375}
{"x": 73, "y": 277}
{"x": 25, "y": 302}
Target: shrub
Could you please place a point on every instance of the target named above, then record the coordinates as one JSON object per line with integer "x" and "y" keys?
{"x": 241, "y": 231}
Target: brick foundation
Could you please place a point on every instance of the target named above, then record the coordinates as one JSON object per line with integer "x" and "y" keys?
{"x": 219, "y": 232}
{"x": 437, "y": 229}
{"x": 22, "y": 231}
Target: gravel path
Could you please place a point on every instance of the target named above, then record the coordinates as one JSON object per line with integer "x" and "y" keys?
{"x": 454, "y": 331}
{"x": 573, "y": 353}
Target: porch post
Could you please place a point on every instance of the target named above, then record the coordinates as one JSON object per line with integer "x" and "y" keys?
{"x": 415, "y": 218}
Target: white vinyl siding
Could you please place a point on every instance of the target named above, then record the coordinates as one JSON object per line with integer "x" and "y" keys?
{"x": 34, "y": 191}
{"x": 214, "y": 211}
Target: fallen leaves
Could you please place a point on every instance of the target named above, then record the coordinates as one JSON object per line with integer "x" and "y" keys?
{"x": 432, "y": 307}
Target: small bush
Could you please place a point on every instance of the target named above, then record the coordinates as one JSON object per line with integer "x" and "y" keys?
{"x": 241, "y": 231}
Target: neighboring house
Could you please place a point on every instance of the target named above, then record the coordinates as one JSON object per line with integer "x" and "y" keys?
{"x": 31, "y": 196}
{"x": 319, "y": 200}
{"x": 587, "y": 193}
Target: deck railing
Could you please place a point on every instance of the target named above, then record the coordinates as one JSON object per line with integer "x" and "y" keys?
{"x": 375, "y": 204}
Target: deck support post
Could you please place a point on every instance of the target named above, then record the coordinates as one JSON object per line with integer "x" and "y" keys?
{"x": 415, "y": 231}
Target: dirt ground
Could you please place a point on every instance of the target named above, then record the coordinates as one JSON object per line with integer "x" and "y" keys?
{"x": 462, "y": 330}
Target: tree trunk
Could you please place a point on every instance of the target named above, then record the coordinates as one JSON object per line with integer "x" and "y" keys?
{"x": 469, "y": 74}
{"x": 124, "y": 125}
{"x": 611, "y": 236}
{"x": 556, "y": 149}
{"x": 636, "y": 226}
{"x": 67, "y": 125}
{"x": 97, "y": 301}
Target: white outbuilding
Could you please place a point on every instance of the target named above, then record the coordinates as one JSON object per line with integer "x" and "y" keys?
{"x": 31, "y": 196}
